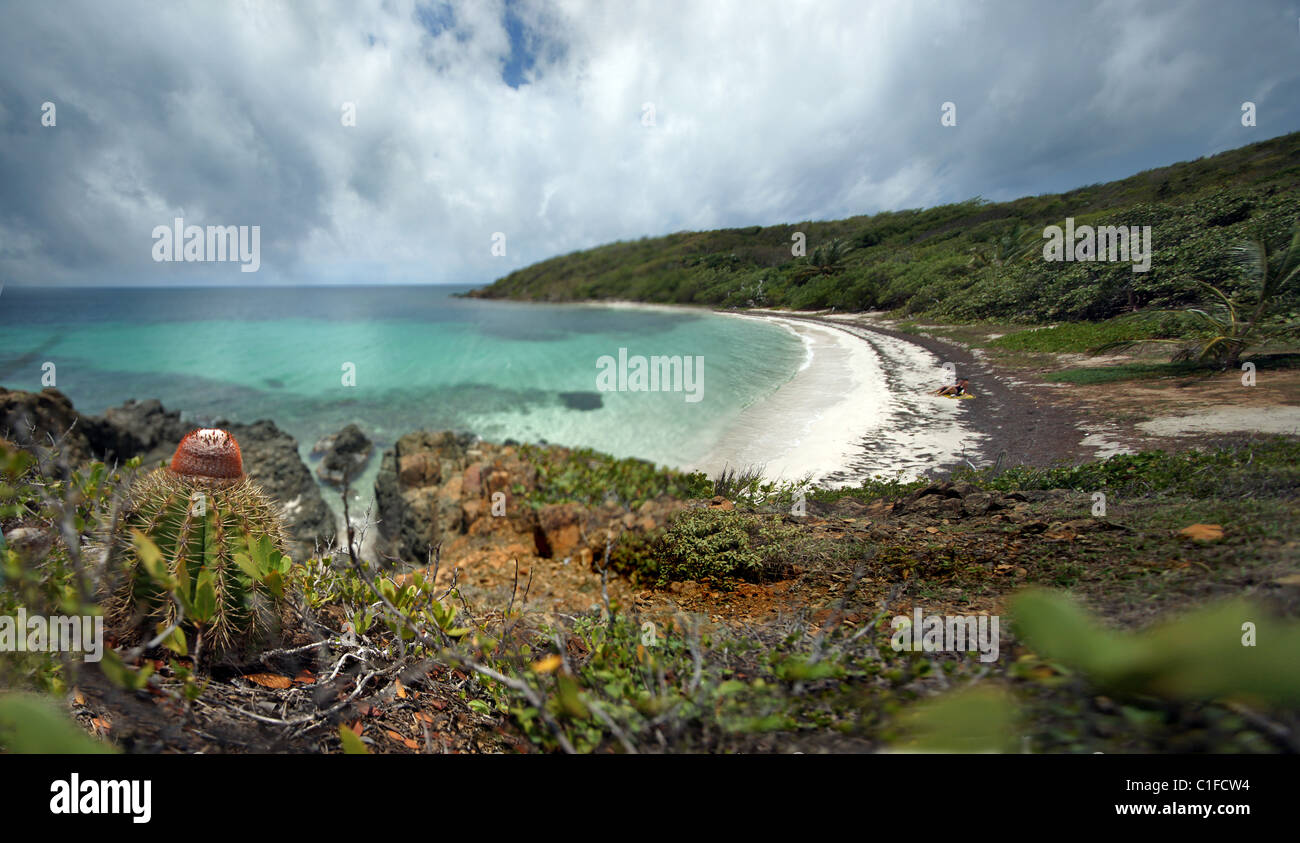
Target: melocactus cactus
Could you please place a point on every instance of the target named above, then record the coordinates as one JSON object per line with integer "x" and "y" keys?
{"x": 220, "y": 552}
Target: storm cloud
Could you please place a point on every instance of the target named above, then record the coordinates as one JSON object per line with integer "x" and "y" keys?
{"x": 567, "y": 124}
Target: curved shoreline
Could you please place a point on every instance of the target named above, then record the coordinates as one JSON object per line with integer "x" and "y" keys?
{"x": 859, "y": 407}
{"x": 1015, "y": 425}
{"x": 1004, "y": 422}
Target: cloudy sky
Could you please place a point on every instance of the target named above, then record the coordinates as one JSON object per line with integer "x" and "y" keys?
{"x": 564, "y": 124}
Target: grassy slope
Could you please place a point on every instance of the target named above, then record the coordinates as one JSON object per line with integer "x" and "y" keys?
{"x": 921, "y": 261}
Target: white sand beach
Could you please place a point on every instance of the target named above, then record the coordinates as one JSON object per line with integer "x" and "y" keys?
{"x": 858, "y": 407}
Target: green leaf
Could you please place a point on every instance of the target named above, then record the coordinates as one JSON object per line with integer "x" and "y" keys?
{"x": 265, "y": 556}
{"x": 31, "y": 725}
{"x": 205, "y": 596}
{"x": 275, "y": 581}
{"x": 731, "y": 686}
{"x": 352, "y": 743}
{"x": 118, "y": 672}
{"x": 176, "y": 642}
{"x": 151, "y": 559}
{"x": 247, "y": 565}
{"x": 1204, "y": 654}
{"x": 970, "y": 720}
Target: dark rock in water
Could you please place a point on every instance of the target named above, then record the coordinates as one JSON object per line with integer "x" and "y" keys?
{"x": 582, "y": 400}
{"x": 346, "y": 454}
{"x": 140, "y": 429}
{"x": 271, "y": 460}
{"x": 274, "y": 383}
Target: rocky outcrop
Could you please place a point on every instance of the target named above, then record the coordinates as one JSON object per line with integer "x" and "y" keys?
{"x": 450, "y": 489}
{"x": 142, "y": 429}
{"x": 418, "y": 505}
{"x": 954, "y": 500}
{"x": 38, "y": 419}
{"x": 345, "y": 455}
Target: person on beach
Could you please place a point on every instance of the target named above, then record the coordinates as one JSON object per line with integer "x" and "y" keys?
{"x": 959, "y": 388}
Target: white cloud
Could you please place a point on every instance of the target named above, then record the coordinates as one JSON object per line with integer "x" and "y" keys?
{"x": 764, "y": 113}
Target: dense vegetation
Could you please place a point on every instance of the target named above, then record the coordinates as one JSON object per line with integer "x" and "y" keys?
{"x": 971, "y": 260}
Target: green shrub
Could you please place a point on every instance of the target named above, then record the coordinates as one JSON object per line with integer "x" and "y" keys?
{"x": 721, "y": 546}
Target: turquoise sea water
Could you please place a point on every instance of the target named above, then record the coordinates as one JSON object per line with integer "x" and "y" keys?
{"x": 422, "y": 360}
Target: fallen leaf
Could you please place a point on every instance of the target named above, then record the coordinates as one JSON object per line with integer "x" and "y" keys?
{"x": 932, "y": 529}
{"x": 356, "y": 727}
{"x": 269, "y": 680}
{"x": 1202, "y": 532}
{"x": 548, "y": 664}
{"x": 305, "y": 678}
{"x": 101, "y": 723}
{"x": 401, "y": 692}
{"x": 77, "y": 697}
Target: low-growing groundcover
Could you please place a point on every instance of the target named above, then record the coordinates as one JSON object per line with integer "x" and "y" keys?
{"x": 588, "y": 477}
{"x": 409, "y": 666}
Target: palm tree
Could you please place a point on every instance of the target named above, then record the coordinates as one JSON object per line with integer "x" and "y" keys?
{"x": 1016, "y": 243}
{"x": 825, "y": 260}
{"x": 1229, "y": 326}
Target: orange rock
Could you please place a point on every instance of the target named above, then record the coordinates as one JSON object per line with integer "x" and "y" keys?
{"x": 473, "y": 481}
{"x": 559, "y": 529}
{"x": 418, "y": 469}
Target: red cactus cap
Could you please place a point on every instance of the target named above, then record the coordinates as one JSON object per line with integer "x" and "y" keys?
{"x": 208, "y": 452}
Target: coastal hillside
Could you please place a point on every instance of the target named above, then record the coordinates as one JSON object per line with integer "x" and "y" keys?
{"x": 970, "y": 260}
